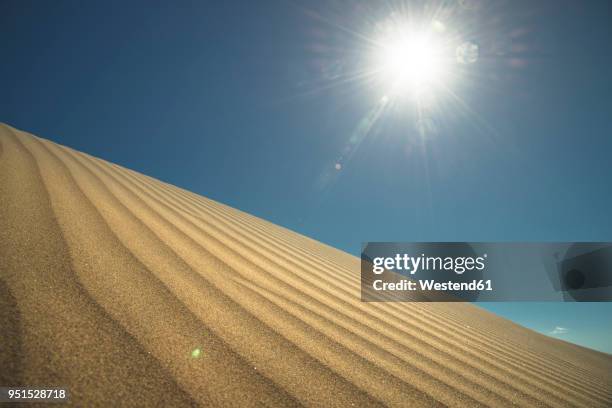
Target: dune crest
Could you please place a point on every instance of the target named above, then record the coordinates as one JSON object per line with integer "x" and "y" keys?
{"x": 131, "y": 291}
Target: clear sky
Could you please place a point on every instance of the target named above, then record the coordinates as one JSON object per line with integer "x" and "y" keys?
{"x": 272, "y": 107}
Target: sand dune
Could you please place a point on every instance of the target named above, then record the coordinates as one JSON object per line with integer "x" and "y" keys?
{"x": 110, "y": 279}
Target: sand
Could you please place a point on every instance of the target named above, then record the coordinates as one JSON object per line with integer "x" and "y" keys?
{"x": 133, "y": 292}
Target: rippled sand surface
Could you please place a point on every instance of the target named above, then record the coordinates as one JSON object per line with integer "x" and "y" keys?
{"x": 132, "y": 292}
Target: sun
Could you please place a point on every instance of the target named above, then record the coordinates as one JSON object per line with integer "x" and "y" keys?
{"x": 411, "y": 60}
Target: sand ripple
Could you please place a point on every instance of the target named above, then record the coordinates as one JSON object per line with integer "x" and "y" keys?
{"x": 133, "y": 292}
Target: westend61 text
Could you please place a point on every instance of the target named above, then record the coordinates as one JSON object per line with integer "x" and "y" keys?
{"x": 422, "y": 284}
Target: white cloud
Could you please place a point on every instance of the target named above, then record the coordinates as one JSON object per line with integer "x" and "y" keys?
{"x": 559, "y": 330}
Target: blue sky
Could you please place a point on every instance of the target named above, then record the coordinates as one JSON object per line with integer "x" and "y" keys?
{"x": 254, "y": 104}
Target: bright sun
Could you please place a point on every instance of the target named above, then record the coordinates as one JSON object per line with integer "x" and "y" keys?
{"x": 411, "y": 61}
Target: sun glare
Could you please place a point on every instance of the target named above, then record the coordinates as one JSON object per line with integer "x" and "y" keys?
{"x": 411, "y": 61}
